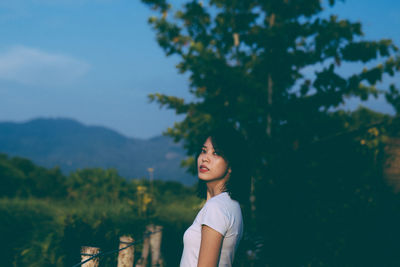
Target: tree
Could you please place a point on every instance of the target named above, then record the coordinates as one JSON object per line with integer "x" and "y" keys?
{"x": 272, "y": 70}
{"x": 12, "y": 178}
{"x": 19, "y": 177}
{"x": 247, "y": 62}
{"x": 98, "y": 185}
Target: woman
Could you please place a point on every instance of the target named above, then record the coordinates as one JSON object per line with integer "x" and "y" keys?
{"x": 214, "y": 236}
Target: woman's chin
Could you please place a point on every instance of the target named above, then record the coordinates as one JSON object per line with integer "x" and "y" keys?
{"x": 201, "y": 177}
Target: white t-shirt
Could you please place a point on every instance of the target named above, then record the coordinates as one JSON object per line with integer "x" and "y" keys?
{"x": 222, "y": 214}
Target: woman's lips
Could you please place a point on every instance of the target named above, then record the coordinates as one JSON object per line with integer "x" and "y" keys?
{"x": 203, "y": 169}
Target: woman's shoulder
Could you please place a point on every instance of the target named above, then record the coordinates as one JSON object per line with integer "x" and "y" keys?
{"x": 223, "y": 201}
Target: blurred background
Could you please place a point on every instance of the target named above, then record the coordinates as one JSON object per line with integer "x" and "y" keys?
{"x": 104, "y": 103}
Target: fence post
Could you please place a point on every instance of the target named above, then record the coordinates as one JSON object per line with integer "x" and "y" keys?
{"x": 86, "y": 253}
{"x": 126, "y": 256}
{"x": 142, "y": 262}
{"x": 155, "y": 245}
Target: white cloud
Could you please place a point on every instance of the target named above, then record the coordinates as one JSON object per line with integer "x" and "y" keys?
{"x": 30, "y": 66}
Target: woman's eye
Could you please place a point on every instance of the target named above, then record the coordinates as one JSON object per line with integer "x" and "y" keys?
{"x": 215, "y": 153}
{"x": 203, "y": 151}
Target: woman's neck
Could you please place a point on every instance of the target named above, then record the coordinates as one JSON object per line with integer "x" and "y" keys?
{"x": 215, "y": 188}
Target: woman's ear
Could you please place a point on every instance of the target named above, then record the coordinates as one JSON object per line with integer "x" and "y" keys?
{"x": 229, "y": 170}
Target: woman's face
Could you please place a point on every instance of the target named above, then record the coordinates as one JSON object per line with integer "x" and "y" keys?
{"x": 211, "y": 166}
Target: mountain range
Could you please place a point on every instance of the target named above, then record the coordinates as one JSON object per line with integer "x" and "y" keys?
{"x": 71, "y": 145}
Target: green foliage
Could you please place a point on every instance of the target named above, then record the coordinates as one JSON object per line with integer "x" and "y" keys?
{"x": 41, "y": 233}
{"x": 30, "y": 235}
{"x": 44, "y": 222}
{"x": 20, "y": 177}
{"x": 10, "y": 177}
{"x": 393, "y": 97}
{"x": 98, "y": 184}
{"x": 331, "y": 207}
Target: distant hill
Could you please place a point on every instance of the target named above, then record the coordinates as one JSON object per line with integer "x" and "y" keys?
{"x": 71, "y": 145}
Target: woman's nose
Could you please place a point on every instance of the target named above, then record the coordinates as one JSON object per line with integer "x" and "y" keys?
{"x": 205, "y": 158}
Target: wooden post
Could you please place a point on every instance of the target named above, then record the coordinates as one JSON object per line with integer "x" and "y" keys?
{"x": 155, "y": 245}
{"x": 142, "y": 262}
{"x": 86, "y": 253}
{"x": 126, "y": 256}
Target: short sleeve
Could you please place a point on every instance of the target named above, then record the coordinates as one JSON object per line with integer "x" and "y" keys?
{"x": 216, "y": 217}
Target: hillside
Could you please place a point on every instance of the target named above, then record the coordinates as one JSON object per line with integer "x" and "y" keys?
{"x": 71, "y": 145}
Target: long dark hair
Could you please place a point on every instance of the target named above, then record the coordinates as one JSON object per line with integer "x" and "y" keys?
{"x": 230, "y": 145}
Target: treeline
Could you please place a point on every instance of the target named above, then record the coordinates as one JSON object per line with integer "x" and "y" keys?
{"x": 45, "y": 216}
{"x": 21, "y": 178}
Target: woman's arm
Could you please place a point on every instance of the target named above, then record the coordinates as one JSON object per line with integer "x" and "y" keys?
{"x": 210, "y": 247}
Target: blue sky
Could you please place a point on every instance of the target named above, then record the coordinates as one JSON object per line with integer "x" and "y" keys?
{"x": 97, "y": 60}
